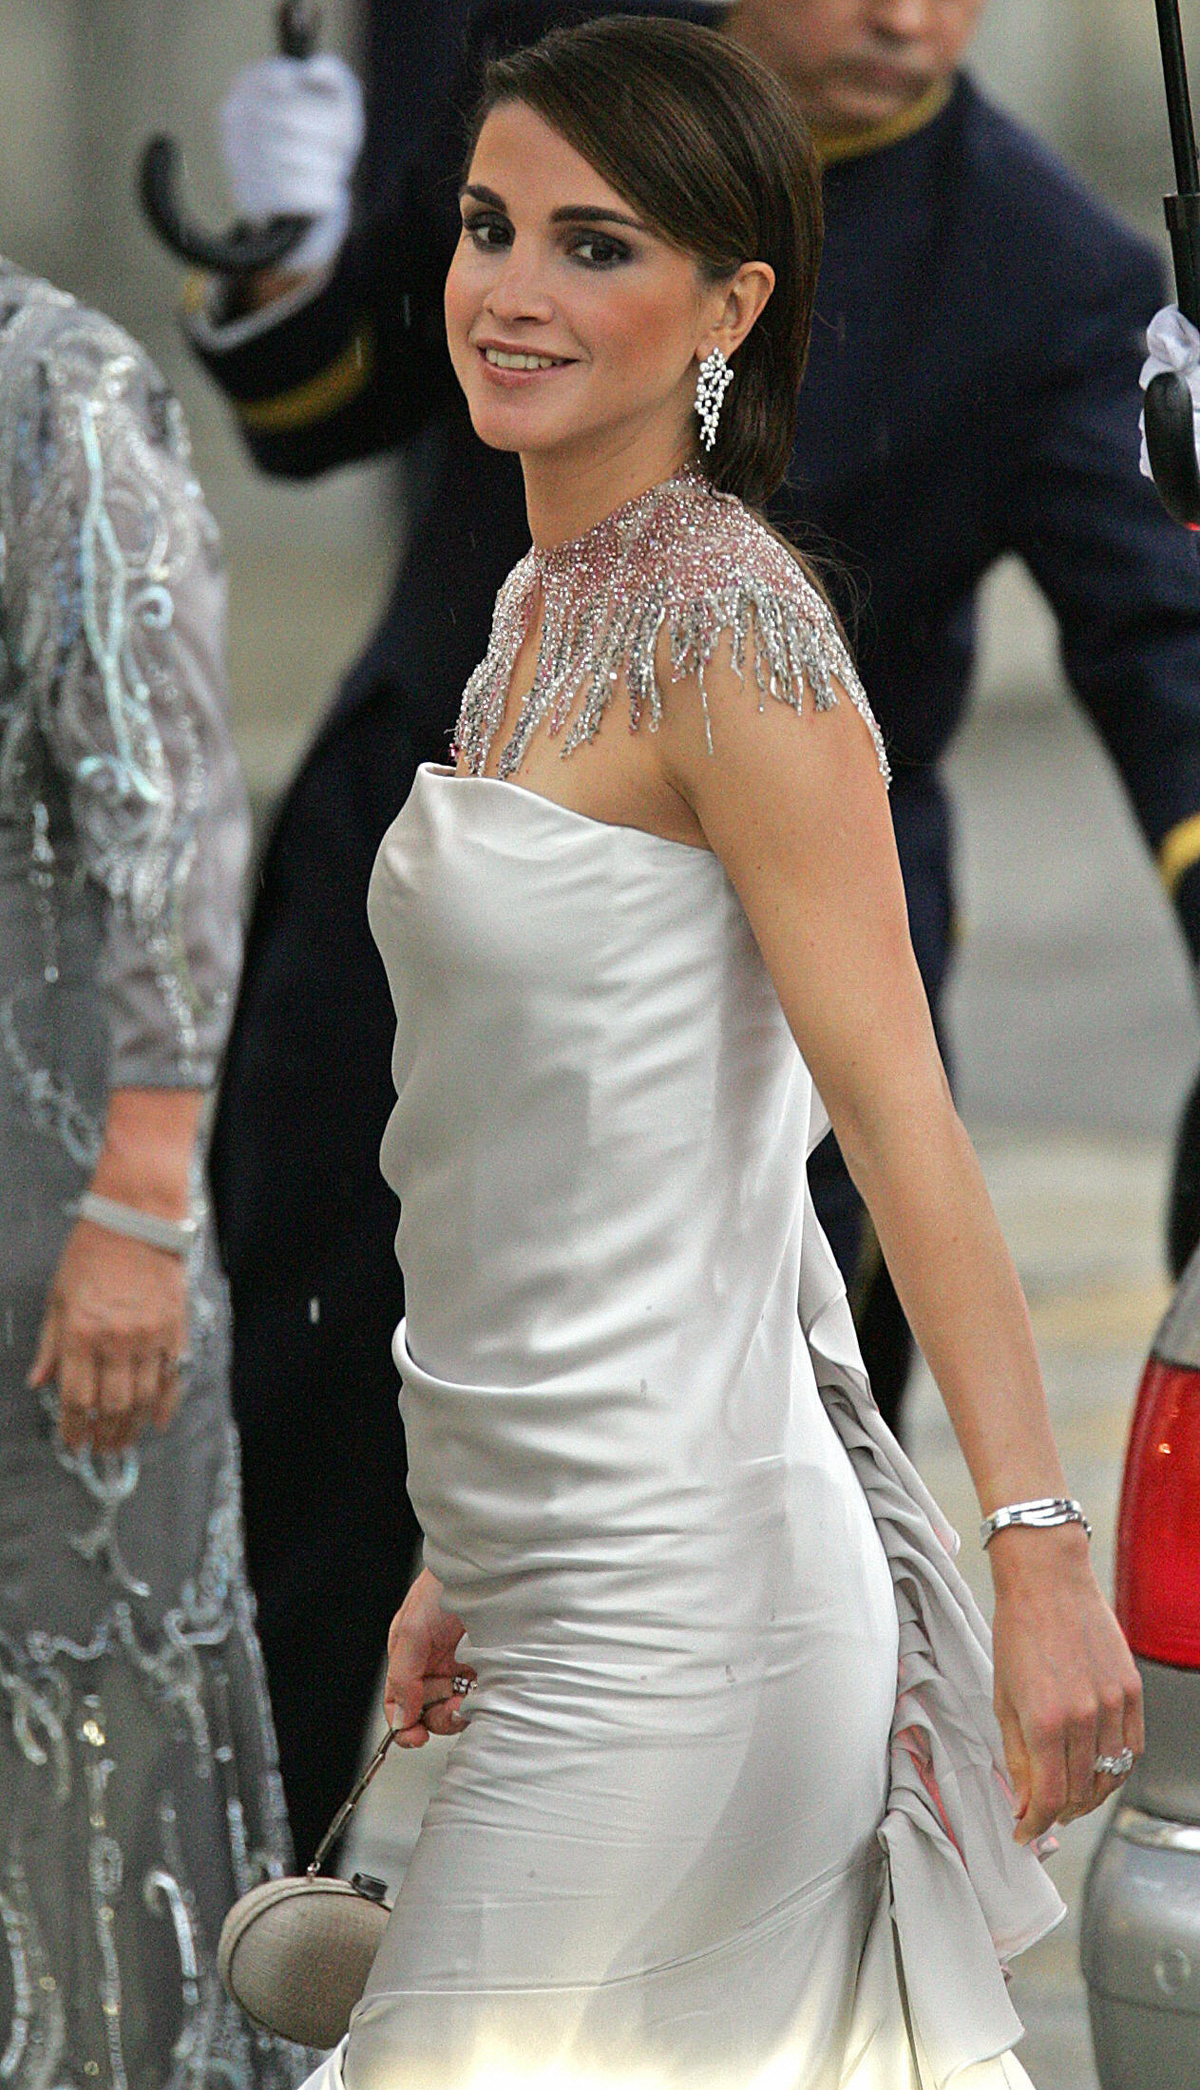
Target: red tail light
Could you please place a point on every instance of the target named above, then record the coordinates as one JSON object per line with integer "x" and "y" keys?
{"x": 1158, "y": 1532}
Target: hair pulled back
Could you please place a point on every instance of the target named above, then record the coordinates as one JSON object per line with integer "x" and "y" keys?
{"x": 707, "y": 145}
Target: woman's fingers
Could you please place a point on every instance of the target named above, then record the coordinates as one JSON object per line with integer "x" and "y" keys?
{"x": 114, "y": 1329}
{"x": 1035, "y": 1752}
{"x": 169, "y": 1390}
{"x": 107, "y": 1395}
{"x": 128, "y": 1387}
{"x": 1048, "y": 1781}
{"x": 1106, "y": 1727}
{"x": 130, "y": 1392}
{"x": 1016, "y": 1756}
{"x": 1133, "y": 1718}
{"x": 425, "y": 1684}
{"x": 116, "y": 1402}
{"x": 444, "y": 1701}
{"x": 145, "y": 1374}
{"x": 404, "y": 1696}
{"x": 441, "y": 1713}
{"x": 1062, "y": 1781}
{"x": 1067, "y": 1690}
{"x": 414, "y": 1736}
{"x": 78, "y": 1392}
{"x": 1119, "y": 1728}
{"x": 45, "y": 1356}
{"x": 1082, "y": 1739}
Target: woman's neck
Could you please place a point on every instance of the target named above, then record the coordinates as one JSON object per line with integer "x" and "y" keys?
{"x": 567, "y": 495}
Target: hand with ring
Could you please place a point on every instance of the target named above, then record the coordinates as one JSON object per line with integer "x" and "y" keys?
{"x": 1068, "y": 1695}
{"x": 427, "y": 1684}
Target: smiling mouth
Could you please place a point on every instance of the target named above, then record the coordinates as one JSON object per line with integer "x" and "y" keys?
{"x": 508, "y": 359}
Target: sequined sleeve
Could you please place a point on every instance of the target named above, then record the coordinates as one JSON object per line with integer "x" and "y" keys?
{"x": 113, "y": 617}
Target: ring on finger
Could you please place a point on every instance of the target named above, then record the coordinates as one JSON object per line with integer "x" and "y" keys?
{"x": 462, "y": 1684}
{"x": 77, "y": 1410}
{"x": 1118, "y": 1766}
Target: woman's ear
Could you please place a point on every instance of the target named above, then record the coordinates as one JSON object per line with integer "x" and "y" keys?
{"x": 739, "y": 301}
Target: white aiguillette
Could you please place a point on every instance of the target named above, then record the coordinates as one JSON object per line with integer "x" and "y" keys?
{"x": 296, "y": 1953}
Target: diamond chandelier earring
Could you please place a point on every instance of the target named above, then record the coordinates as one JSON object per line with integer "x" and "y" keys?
{"x": 714, "y": 381}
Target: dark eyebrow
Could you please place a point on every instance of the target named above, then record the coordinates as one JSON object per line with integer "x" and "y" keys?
{"x": 591, "y": 214}
{"x": 567, "y": 214}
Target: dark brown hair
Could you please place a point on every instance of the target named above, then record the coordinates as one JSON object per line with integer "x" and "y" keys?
{"x": 707, "y": 145}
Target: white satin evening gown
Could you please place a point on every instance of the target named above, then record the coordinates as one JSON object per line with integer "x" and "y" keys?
{"x": 730, "y": 1806}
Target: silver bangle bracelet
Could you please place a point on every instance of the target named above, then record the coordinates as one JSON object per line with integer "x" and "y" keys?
{"x": 1047, "y": 1510}
{"x": 174, "y": 1235}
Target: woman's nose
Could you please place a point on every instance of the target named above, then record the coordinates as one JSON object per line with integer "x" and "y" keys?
{"x": 518, "y": 290}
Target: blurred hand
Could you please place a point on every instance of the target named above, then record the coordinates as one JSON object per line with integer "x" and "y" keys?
{"x": 1174, "y": 344}
{"x": 114, "y": 1330}
{"x": 291, "y": 131}
{"x": 419, "y": 1698}
{"x": 1067, "y": 1688}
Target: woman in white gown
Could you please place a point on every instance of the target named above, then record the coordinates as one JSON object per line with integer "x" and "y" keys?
{"x": 729, "y": 1802}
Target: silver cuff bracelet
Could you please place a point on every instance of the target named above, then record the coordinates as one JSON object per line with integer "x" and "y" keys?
{"x": 174, "y": 1235}
{"x": 1047, "y": 1510}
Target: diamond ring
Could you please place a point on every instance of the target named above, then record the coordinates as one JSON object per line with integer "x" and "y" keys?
{"x": 463, "y": 1684}
{"x": 1115, "y": 1766}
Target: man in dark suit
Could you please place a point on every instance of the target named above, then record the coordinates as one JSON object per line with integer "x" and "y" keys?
{"x": 972, "y": 390}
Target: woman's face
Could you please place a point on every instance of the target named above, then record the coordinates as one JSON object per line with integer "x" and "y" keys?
{"x": 571, "y": 325}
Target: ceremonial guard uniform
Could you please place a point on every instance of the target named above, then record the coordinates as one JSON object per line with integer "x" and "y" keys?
{"x": 972, "y": 390}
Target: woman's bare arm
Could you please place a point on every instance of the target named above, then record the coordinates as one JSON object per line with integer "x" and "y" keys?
{"x": 797, "y": 812}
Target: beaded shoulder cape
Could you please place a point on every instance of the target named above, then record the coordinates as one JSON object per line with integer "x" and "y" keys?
{"x": 683, "y": 558}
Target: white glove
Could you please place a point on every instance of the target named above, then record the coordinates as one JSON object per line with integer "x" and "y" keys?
{"x": 291, "y": 131}
{"x": 1174, "y": 344}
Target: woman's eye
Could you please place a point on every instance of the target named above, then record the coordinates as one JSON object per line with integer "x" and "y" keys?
{"x": 488, "y": 232}
{"x": 597, "y": 250}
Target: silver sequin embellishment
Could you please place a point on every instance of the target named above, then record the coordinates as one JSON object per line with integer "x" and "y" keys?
{"x": 683, "y": 558}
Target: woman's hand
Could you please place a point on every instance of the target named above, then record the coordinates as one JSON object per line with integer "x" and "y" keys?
{"x": 420, "y": 1698}
{"x": 113, "y": 1333}
{"x": 116, "y": 1319}
{"x": 1067, "y": 1689}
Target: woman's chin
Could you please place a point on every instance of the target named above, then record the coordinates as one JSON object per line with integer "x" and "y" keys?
{"x": 504, "y": 427}
{"x": 492, "y": 430}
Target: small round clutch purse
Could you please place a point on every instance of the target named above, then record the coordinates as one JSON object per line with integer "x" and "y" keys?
{"x": 296, "y": 1953}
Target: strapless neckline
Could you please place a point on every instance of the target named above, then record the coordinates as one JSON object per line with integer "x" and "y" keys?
{"x": 554, "y": 807}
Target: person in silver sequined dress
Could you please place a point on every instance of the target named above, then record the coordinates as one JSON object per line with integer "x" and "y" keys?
{"x": 138, "y": 1784}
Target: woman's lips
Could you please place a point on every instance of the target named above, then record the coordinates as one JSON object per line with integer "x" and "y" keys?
{"x": 518, "y": 366}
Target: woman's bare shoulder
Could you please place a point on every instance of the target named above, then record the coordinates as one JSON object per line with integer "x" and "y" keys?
{"x": 744, "y": 615}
